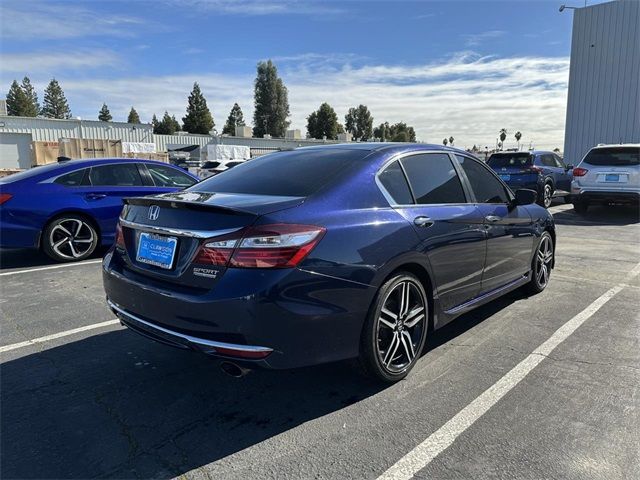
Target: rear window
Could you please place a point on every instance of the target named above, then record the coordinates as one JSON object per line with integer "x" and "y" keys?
{"x": 618, "y": 156}
{"x": 298, "y": 173}
{"x": 502, "y": 160}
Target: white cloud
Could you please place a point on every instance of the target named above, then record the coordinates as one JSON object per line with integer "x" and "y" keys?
{"x": 263, "y": 7}
{"x": 475, "y": 39}
{"x": 37, "y": 20}
{"x": 467, "y": 96}
{"x": 35, "y": 63}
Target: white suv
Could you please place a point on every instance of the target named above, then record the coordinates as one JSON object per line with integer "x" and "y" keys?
{"x": 607, "y": 174}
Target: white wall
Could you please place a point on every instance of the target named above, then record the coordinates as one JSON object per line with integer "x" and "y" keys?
{"x": 604, "y": 78}
{"x": 15, "y": 150}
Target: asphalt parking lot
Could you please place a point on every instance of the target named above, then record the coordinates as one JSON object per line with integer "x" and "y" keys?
{"x": 82, "y": 397}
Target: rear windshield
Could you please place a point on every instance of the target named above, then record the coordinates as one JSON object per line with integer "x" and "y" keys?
{"x": 298, "y": 173}
{"x": 501, "y": 160}
{"x": 614, "y": 156}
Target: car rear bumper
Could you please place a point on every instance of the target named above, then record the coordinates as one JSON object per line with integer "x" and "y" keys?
{"x": 603, "y": 196}
{"x": 298, "y": 318}
{"x": 16, "y": 234}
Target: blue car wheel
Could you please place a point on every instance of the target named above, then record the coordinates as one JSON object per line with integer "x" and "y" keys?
{"x": 69, "y": 238}
{"x": 396, "y": 330}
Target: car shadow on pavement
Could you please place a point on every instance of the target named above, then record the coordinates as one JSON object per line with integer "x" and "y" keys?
{"x": 119, "y": 406}
{"x": 28, "y": 258}
{"x": 615, "y": 215}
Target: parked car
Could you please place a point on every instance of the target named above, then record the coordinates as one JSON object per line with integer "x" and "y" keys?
{"x": 69, "y": 208}
{"x": 607, "y": 174}
{"x": 211, "y": 168}
{"x": 544, "y": 172}
{"x": 326, "y": 253}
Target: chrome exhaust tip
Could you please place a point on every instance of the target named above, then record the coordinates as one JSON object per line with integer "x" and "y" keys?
{"x": 234, "y": 370}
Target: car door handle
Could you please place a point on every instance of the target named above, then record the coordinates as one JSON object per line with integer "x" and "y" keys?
{"x": 492, "y": 218}
{"x": 95, "y": 196}
{"x": 423, "y": 222}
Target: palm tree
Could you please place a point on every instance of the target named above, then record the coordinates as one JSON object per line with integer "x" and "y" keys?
{"x": 518, "y": 136}
{"x": 503, "y": 136}
{"x": 451, "y": 141}
{"x": 445, "y": 141}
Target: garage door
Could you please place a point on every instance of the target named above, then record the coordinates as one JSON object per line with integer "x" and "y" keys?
{"x": 15, "y": 150}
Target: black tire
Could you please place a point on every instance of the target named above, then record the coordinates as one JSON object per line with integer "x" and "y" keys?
{"x": 382, "y": 336}
{"x": 541, "y": 265}
{"x": 69, "y": 238}
{"x": 580, "y": 206}
{"x": 546, "y": 196}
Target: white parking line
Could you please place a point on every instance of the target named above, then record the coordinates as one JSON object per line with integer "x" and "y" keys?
{"x": 51, "y": 267}
{"x": 441, "y": 439}
{"x": 66, "y": 333}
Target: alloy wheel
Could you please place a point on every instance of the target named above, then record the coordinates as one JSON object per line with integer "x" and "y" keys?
{"x": 72, "y": 238}
{"x": 544, "y": 259}
{"x": 548, "y": 195}
{"x": 400, "y": 326}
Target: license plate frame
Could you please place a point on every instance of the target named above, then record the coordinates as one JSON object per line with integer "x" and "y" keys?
{"x": 612, "y": 177}
{"x": 151, "y": 250}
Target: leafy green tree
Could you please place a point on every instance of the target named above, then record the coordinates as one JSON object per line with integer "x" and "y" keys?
{"x": 398, "y": 132}
{"x": 451, "y": 139}
{"x": 381, "y": 132}
{"x": 17, "y": 101}
{"x": 55, "y": 103}
{"x": 133, "y": 116}
{"x": 271, "y": 100}
{"x": 167, "y": 126}
{"x": 33, "y": 107}
{"x": 235, "y": 119}
{"x": 198, "y": 118}
{"x": 445, "y": 141}
{"x": 323, "y": 123}
{"x": 104, "y": 115}
{"x": 359, "y": 122}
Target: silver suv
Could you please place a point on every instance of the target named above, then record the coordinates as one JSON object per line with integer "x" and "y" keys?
{"x": 607, "y": 174}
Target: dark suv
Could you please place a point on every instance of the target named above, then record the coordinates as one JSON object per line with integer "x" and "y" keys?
{"x": 542, "y": 171}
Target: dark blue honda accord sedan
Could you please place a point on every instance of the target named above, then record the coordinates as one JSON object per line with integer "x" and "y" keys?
{"x": 70, "y": 208}
{"x": 326, "y": 253}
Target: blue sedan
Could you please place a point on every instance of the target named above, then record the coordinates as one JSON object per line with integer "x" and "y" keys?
{"x": 326, "y": 253}
{"x": 70, "y": 208}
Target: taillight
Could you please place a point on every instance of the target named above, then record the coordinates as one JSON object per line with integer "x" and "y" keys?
{"x": 579, "y": 172}
{"x": 534, "y": 169}
{"x": 119, "y": 237}
{"x": 4, "y": 197}
{"x": 265, "y": 246}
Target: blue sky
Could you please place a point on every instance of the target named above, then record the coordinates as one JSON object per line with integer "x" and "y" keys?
{"x": 461, "y": 68}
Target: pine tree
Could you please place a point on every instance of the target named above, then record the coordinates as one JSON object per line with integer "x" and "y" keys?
{"x": 104, "y": 115}
{"x": 323, "y": 123}
{"x": 271, "y": 102}
{"x": 17, "y": 101}
{"x": 55, "y": 103}
{"x": 133, "y": 116}
{"x": 198, "y": 119}
{"x": 235, "y": 119}
{"x": 33, "y": 107}
{"x": 155, "y": 123}
{"x": 167, "y": 126}
{"x": 359, "y": 122}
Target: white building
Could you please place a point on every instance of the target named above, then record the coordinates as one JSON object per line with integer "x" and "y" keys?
{"x": 604, "y": 78}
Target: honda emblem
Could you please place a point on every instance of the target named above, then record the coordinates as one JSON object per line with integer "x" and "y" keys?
{"x": 154, "y": 212}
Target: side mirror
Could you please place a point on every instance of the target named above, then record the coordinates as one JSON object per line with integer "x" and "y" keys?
{"x": 524, "y": 196}
{"x": 568, "y": 167}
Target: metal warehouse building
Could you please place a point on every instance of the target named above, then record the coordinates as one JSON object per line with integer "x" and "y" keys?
{"x": 604, "y": 78}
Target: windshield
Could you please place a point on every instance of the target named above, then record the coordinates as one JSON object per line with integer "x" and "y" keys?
{"x": 296, "y": 173}
{"x": 501, "y": 160}
{"x": 614, "y": 156}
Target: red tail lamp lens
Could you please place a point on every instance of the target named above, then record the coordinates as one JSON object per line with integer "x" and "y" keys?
{"x": 119, "y": 237}
{"x": 265, "y": 246}
{"x": 579, "y": 172}
{"x": 4, "y": 197}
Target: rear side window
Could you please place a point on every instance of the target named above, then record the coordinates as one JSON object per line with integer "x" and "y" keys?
{"x": 433, "y": 178}
{"x": 297, "y": 173}
{"x": 503, "y": 160}
{"x": 169, "y": 177}
{"x": 615, "y": 156}
{"x": 548, "y": 160}
{"x": 395, "y": 183}
{"x": 73, "y": 179}
{"x": 486, "y": 187}
{"x": 119, "y": 175}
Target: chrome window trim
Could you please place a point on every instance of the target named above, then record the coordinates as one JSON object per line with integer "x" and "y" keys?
{"x": 201, "y": 234}
{"x": 402, "y": 155}
{"x": 135, "y": 161}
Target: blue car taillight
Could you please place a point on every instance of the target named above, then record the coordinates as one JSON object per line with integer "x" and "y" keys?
{"x": 265, "y": 246}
